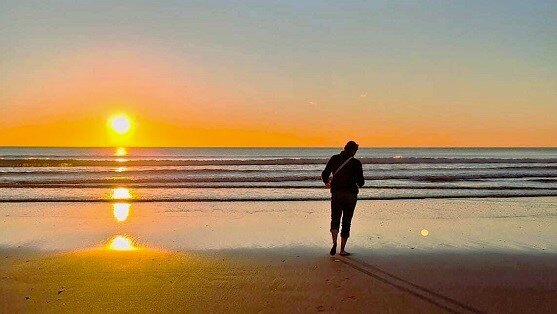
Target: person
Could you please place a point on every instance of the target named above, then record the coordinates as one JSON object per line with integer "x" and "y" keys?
{"x": 347, "y": 178}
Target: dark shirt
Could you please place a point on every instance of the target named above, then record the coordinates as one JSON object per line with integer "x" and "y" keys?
{"x": 349, "y": 178}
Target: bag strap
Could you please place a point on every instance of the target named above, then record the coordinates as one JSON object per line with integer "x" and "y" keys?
{"x": 343, "y": 164}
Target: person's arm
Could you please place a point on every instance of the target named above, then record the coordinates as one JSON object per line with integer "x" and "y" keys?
{"x": 327, "y": 172}
{"x": 360, "y": 174}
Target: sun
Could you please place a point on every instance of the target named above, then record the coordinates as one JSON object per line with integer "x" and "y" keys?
{"x": 120, "y": 124}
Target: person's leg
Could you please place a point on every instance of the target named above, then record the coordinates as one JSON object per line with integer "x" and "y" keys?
{"x": 334, "y": 235}
{"x": 336, "y": 212}
{"x": 347, "y": 214}
{"x": 343, "y": 241}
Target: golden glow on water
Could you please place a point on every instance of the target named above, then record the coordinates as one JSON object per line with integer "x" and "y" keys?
{"x": 121, "y": 194}
{"x": 424, "y": 232}
{"x": 120, "y": 124}
{"x": 121, "y": 243}
{"x": 121, "y": 169}
{"x": 121, "y": 211}
{"x": 121, "y": 159}
{"x": 121, "y": 151}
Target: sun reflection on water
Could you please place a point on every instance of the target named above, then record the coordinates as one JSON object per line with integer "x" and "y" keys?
{"x": 121, "y": 243}
{"x": 121, "y": 211}
{"x": 121, "y": 169}
{"x": 121, "y": 194}
{"x": 120, "y": 151}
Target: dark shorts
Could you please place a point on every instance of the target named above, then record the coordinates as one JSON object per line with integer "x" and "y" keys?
{"x": 342, "y": 205}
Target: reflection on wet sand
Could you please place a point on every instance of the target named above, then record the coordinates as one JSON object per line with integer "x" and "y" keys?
{"x": 121, "y": 243}
{"x": 121, "y": 211}
{"x": 426, "y": 226}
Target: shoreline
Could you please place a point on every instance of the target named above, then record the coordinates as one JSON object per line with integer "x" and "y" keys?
{"x": 453, "y": 224}
{"x": 247, "y": 200}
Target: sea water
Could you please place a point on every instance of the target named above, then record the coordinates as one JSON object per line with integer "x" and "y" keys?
{"x": 268, "y": 174}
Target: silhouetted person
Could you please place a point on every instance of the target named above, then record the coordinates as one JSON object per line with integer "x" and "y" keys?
{"x": 347, "y": 177}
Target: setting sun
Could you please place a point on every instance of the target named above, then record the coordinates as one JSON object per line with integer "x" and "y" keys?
{"x": 120, "y": 124}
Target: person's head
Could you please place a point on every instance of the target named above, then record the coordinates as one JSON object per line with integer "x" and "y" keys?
{"x": 351, "y": 148}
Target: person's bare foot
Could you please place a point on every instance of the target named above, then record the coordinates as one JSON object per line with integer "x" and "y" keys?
{"x": 344, "y": 253}
{"x": 333, "y": 249}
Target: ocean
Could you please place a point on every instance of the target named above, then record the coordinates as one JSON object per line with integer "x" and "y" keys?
{"x": 268, "y": 174}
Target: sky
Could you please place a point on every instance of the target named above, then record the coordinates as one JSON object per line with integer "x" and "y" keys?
{"x": 279, "y": 73}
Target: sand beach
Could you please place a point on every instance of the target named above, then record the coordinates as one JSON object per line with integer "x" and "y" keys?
{"x": 477, "y": 256}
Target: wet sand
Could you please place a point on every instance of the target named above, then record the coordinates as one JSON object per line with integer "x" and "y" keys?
{"x": 477, "y": 256}
{"x": 97, "y": 281}
{"x": 481, "y": 281}
{"x": 274, "y": 280}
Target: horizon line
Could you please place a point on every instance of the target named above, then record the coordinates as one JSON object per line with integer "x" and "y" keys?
{"x": 284, "y": 147}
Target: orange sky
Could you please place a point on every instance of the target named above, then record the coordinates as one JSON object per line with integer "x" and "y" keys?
{"x": 272, "y": 86}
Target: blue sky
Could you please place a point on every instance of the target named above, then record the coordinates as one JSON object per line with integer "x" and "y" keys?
{"x": 375, "y": 64}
